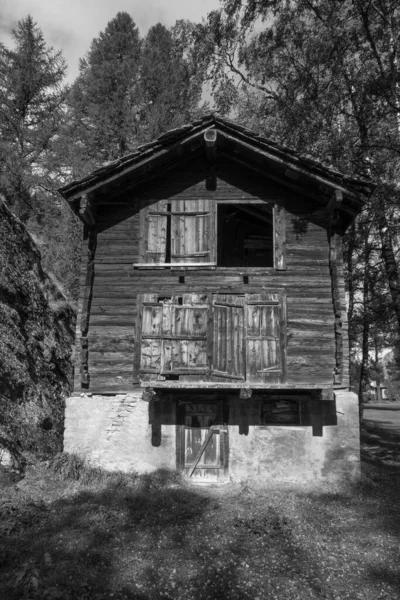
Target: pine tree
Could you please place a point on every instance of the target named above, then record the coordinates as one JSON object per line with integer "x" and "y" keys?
{"x": 129, "y": 91}
{"x": 104, "y": 99}
{"x": 31, "y": 98}
{"x": 170, "y": 89}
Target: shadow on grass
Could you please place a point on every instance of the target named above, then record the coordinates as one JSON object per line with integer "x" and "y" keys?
{"x": 153, "y": 537}
{"x": 138, "y": 540}
{"x": 367, "y": 516}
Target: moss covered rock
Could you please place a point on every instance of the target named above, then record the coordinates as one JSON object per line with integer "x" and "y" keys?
{"x": 37, "y": 325}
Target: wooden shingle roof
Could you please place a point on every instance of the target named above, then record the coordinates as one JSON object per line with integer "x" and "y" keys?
{"x": 310, "y": 177}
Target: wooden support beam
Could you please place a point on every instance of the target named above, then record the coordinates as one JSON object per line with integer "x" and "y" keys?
{"x": 293, "y": 175}
{"x": 210, "y": 143}
{"x": 245, "y": 393}
{"x": 149, "y": 394}
{"x": 327, "y": 395}
{"x": 333, "y": 207}
{"x": 87, "y": 211}
{"x": 280, "y": 238}
{"x": 175, "y": 265}
{"x": 85, "y": 316}
{"x": 334, "y": 249}
{"x": 256, "y": 213}
{"x": 204, "y": 385}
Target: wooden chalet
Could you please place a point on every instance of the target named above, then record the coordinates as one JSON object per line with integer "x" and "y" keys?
{"x": 212, "y": 330}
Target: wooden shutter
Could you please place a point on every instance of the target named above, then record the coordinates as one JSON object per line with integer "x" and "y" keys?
{"x": 155, "y": 239}
{"x": 191, "y": 231}
{"x": 279, "y": 238}
{"x": 174, "y": 334}
{"x": 151, "y": 340}
{"x": 185, "y": 333}
{"x": 265, "y": 337}
{"x": 228, "y": 336}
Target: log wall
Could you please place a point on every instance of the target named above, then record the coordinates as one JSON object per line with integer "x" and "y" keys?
{"x": 311, "y": 339}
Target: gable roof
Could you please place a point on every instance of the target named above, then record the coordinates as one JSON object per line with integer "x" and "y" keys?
{"x": 287, "y": 167}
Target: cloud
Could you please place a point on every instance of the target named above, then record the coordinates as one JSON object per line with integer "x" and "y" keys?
{"x": 70, "y": 25}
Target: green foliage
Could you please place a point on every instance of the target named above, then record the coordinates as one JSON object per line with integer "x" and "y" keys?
{"x": 129, "y": 91}
{"x": 31, "y": 96}
{"x": 168, "y": 85}
{"x": 103, "y": 100}
{"x": 73, "y": 467}
{"x": 322, "y": 77}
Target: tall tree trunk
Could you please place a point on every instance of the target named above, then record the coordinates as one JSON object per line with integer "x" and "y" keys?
{"x": 377, "y": 367}
{"x": 389, "y": 259}
{"x": 350, "y": 247}
{"x": 365, "y": 337}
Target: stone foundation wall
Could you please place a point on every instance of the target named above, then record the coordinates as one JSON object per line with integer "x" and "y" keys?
{"x": 295, "y": 454}
{"x": 114, "y": 432}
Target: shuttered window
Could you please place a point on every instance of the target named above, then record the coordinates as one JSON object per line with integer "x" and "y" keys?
{"x": 178, "y": 232}
{"x": 228, "y": 336}
{"x": 174, "y": 334}
{"x": 155, "y": 240}
{"x": 191, "y": 231}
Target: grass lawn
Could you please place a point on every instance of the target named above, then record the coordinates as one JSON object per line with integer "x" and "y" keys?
{"x": 152, "y": 537}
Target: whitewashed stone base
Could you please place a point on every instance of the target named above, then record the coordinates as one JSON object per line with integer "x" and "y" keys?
{"x": 113, "y": 432}
{"x": 294, "y": 454}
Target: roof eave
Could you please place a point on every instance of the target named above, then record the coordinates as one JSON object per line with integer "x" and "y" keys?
{"x": 176, "y": 143}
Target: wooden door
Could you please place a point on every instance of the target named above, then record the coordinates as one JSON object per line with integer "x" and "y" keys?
{"x": 203, "y": 442}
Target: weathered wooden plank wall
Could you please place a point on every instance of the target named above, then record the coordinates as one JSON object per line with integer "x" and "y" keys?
{"x": 306, "y": 279}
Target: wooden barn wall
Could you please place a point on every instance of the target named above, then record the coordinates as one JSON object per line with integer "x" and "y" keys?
{"x": 310, "y": 318}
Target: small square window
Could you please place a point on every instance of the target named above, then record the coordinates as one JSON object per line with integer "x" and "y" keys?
{"x": 281, "y": 411}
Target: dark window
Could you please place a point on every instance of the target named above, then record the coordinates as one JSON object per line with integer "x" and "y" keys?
{"x": 245, "y": 235}
{"x": 280, "y": 411}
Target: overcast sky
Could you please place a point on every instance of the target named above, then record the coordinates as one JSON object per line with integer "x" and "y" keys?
{"x": 70, "y": 25}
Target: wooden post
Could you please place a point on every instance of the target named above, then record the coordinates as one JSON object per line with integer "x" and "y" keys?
{"x": 85, "y": 316}
{"x": 87, "y": 211}
{"x": 334, "y": 245}
{"x": 332, "y": 208}
{"x": 210, "y": 142}
{"x": 279, "y": 238}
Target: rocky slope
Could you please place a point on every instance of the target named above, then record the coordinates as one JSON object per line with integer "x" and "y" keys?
{"x": 36, "y": 337}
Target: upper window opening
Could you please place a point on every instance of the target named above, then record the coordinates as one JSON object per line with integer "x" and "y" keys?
{"x": 201, "y": 233}
{"x": 245, "y": 236}
{"x": 178, "y": 232}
